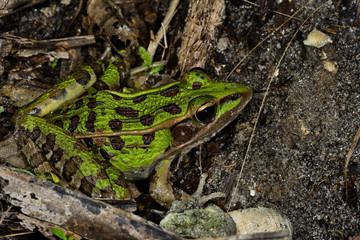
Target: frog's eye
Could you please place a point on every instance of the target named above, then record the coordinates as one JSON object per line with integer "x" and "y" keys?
{"x": 206, "y": 112}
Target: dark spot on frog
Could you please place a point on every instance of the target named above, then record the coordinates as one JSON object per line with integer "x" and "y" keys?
{"x": 89, "y": 142}
{"x": 172, "y": 108}
{"x": 59, "y": 123}
{"x": 147, "y": 120}
{"x": 148, "y": 138}
{"x": 127, "y": 112}
{"x": 79, "y": 103}
{"x": 182, "y": 133}
{"x": 64, "y": 111}
{"x": 139, "y": 99}
{"x": 170, "y": 92}
{"x": 49, "y": 143}
{"x": 79, "y": 146}
{"x": 168, "y": 148}
{"x": 104, "y": 154}
{"x": 106, "y": 64}
{"x": 35, "y": 134}
{"x": 116, "y": 97}
{"x": 70, "y": 169}
{"x": 93, "y": 103}
{"x": 82, "y": 77}
{"x": 90, "y": 205}
{"x": 90, "y": 122}
{"x": 117, "y": 143}
{"x": 101, "y": 85}
{"x": 74, "y": 121}
{"x": 60, "y": 95}
{"x": 196, "y": 85}
{"x": 86, "y": 187}
{"x": 115, "y": 125}
{"x": 56, "y": 156}
{"x": 98, "y": 69}
{"x": 231, "y": 97}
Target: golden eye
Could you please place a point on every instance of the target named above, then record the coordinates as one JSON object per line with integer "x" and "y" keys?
{"x": 206, "y": 112}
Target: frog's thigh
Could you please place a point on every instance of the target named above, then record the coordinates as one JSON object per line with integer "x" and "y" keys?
{"x": 85, "y": 167}
{"x": 160, "y": 189}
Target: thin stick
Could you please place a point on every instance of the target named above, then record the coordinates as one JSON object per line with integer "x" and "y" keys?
{"x": 165, "y": 24}
{"x": 138, "y": 69}
{"x": 280, "y": 13}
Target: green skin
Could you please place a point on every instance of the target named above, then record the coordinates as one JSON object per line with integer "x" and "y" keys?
{"x": 130, "y": 133}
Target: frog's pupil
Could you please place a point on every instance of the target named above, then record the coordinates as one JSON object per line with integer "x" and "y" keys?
{"x": 206, "y": 112}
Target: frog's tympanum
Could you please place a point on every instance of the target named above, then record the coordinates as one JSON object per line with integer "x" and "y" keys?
{"x": 94, "y": 138}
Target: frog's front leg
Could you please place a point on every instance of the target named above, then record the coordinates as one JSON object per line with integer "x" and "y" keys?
{"x": 78, "y": 164}
{"x": 100, "y": 75}
{"x": 160, "y": 189}
{"x": 163, "y": 193}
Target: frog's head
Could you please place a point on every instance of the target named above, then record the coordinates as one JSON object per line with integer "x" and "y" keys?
{"x": 212, "y": 106}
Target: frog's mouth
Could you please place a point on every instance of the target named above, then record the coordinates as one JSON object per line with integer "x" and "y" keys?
{"x": 188, "y": 134}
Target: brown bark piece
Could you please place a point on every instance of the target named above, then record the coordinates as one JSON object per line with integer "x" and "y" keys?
{"x": 199, "y": 33}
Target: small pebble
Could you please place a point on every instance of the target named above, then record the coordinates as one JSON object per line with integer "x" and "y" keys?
{"x": 222, "y": 44}
{"x": 331, "y": 66}
{"x": 317, "y": 39}
{"x": 252, "y": 192}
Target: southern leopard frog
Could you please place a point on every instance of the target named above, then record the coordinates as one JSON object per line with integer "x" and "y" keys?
{"x": 96, "y": 141}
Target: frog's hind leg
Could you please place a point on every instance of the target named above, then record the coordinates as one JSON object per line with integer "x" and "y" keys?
{"x": 99, "y": 75}
{"x": 72, "y": 160}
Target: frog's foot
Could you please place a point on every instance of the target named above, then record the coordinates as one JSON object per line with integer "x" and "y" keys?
{"x": 198, "y": 195}
{"x": 198, "y": 199}
{"x": 162, "y": 192}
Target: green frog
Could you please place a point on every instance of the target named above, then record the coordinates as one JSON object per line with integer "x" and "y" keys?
{"x": 95, "y": 139}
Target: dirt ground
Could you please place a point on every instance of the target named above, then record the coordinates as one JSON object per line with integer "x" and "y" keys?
{"x": 310, "y": 117}
{"x": 308, "y": 123}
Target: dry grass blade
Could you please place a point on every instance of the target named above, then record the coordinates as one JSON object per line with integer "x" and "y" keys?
{"x": 262, "y": 41}
{"x": 348, "y": 157}
{"x": 16, "y": 234}
{"x": 165, "y": 24}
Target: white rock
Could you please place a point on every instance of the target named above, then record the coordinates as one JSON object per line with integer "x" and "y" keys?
{"x": 256, "y": 220}
{"x": 317, "y": 39}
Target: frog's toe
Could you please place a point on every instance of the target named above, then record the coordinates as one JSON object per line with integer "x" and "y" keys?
{"x": 198, "y": 195}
